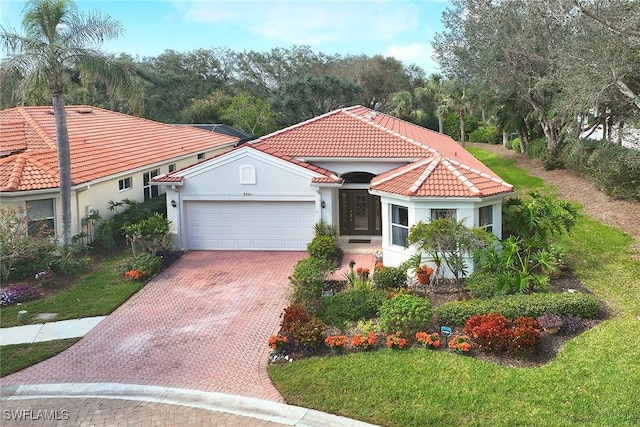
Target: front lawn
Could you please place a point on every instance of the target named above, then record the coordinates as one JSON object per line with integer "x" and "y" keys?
{"x": 593, "y": 381}
{"x": 19, "y": 356}
{"x": 96, "y": 294}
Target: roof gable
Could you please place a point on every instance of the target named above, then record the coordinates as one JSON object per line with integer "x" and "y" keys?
{"x": 317, "y": 174}
{"x": 102, "y": 143}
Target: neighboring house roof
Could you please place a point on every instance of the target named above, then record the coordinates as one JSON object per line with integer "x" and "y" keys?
{"x": 102, "y": 143}
{"x": 437, "y": 166}
{"x": 221, "y": 128}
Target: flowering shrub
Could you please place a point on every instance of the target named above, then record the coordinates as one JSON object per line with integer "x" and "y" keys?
{"x": 135, "y": 274}
{"x": 18, "y": 293}
{"x": 396, "y": 341}
{"x": 405, "y": 313}
{"x": 493, "y": 332}
{"x": 431, "y": 340}
{"x": 361, "y": 342}
{"x": 277, "y": 341}
{"x": 336, "y": 341}
{"x": 460, "y": 343}
{"x": 44, "y": 275}
{"x": 490, "y": 332}
{"x": 525, "y": 334}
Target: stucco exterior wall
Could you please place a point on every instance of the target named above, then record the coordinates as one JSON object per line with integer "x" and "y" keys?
{"x": 95, "y": 195}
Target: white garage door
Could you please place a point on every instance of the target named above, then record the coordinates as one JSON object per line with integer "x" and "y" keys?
{"x": 249, "y": 225}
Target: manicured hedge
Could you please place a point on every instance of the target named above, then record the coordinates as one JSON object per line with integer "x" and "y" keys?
{"x": 352, "y": 305}
{"x": 512, "y": 306}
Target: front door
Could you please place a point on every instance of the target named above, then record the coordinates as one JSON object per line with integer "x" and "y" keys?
{"x": 359, "y": 213}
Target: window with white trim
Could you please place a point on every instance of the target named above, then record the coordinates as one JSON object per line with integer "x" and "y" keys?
{"x": 200, "y": 156}
{"x": 150, "y": 191}
{"x": 485, "y": 218}
{"x": 399, "y": 225}
{"x": 444, "y": 213}
{"x": 41, "y": 216}
{"x": 172, "y": 167}
{"x": 124, "y": 184}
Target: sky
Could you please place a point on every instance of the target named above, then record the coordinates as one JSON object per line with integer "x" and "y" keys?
{"x": 396, "y": 28}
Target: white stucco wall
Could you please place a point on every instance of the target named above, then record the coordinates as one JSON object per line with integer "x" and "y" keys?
{"x": 420, "y": 210}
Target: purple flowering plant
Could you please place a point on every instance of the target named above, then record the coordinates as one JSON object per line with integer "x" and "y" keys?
{"x": 18, "y": 293}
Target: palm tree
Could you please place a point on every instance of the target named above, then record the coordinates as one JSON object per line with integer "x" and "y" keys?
{"x": 457, "y": 99}
{"x": 435, "y": 86}
{"x": 57, "y": 37}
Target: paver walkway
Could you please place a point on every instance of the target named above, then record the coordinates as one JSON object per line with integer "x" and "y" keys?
{"x": 202, "y": 324}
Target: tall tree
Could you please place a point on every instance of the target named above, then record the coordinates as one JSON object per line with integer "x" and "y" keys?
{"x": 435, "y": 86}
{"x": 510, "y": 47}
{"x": 56, "y": 37}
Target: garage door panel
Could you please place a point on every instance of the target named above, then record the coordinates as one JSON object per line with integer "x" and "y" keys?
{"x": 249, "y": 225}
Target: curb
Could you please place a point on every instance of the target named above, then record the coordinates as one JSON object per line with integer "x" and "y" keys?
{"x": 217, "y": 402}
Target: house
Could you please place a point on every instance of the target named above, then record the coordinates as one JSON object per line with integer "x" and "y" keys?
{"x": 365, "y": 172}
{"x": 114, "y": 156}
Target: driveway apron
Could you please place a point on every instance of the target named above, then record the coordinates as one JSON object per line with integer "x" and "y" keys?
{"x": 202, "y": 324}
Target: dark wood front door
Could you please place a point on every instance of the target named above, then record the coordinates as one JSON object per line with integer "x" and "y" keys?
{"x": 359, "y": 213}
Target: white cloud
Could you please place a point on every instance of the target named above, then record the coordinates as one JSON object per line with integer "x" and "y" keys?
{"x": 415, "y": 53}
{"x": 308, "y": 22}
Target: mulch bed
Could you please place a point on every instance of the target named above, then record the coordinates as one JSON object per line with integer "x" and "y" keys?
{"x": 446, "y": 291}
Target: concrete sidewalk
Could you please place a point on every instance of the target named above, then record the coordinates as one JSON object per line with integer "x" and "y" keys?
{"x": 49, "y": 331}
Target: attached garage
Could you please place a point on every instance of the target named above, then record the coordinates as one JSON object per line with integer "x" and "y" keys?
{"x": 249, "y": 225}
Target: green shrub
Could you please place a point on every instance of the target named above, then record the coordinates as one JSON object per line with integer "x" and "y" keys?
{"x": 486, "y": 135}
{"x": 515, "y": 145}
{"x": 110, "y": 233}
{"x": 484, "y": 285}
{"x": 348, "y": 306}
{"x": 307, "y": 281}
{"x": 612, "y": 168}
{"x": 536, "y": 148}
{"x": 324, "y": 247}
{"x": 512, "y": 306}
{"x": 147, "y": 263}
{"x": 390, "y": 277}
{"x": 405, "y": 313}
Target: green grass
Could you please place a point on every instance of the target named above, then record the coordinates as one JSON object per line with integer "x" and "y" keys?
{"x": 506, "y": 169}
{"x": 593, "y": 381}
{"x": 14, "y": 358}
{"x": 97, "y": 294}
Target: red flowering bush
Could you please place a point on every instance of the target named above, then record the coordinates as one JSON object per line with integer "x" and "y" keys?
{"x": 359, "y": 341}
{"x": 336, "y": 341}
{"x": 490, "y": 332}
{"x": 396, "y": 341}
{"x": 494, "y": 332}
{"x": 525, "y": 334}
{"x": 277, "y": 341}
{"x": 460, "y": 343}
{"x": 431, "y": 340}
{"x": 135, "y": 274}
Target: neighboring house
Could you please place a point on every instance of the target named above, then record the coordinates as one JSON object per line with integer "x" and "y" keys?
{"x": 114, "y": 156}
{"x": 365, "y": 172}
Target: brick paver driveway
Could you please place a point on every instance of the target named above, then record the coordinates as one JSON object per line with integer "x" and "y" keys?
{"x": 202, "y": 324}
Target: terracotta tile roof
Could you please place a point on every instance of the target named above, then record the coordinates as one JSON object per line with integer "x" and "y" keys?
{"x": 437, "y": 177}
{"x": 102, "y": 143}
{"x": 327, "y": 175}
{"x": 437, "y": 165}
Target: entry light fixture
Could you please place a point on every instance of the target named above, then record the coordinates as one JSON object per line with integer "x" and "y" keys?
{"x": 173, "y": 203}
{"x": 323, "y": 204}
